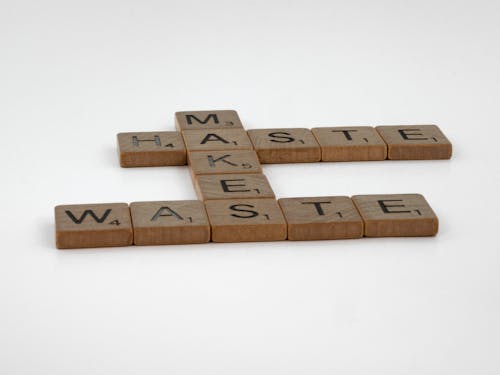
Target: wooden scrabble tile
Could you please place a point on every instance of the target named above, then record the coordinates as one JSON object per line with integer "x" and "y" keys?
{"x": 216, "y": 119}
{"x": 217, "y": 139}
{"x": 350, "y": 143}
{"x": 415, "y": 142}
{"x": 243, "y": 220}
{"x": 285, "y": 145}
{"x": 219, "y": 162}
{"x": 396, "y": 215}
{"x": 321, "y": 218}
{"x": 169, "y": 222}
{"x": 93, "y": 225}
{"x": 232, "y": 186}
{"x": 151, "y": 149}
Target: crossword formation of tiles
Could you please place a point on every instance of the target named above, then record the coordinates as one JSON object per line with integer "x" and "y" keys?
{"x": 237, "y": 203}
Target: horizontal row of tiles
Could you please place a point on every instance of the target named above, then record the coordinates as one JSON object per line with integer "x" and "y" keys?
{"x": 288, "y": 145}
{"x": 243, "y": 220}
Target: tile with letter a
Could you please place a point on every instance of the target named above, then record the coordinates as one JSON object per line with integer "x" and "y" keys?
{"x": 217, "y": 139}
{"x": 415, "y": 142}
{"x": 396, "y": 215}
{"x": 244, "y": 220}
{"x": 350, "y": 143}
{"x": 93, "y": 225}
{"x": 151, "y": 149}
{"x": 169, "y": 222}
{"x": 217, "y": 119}
{"x": 321, "y": 218}
{"x": 231, "y": 186}
{"x": 296, "y": 145}
{"x": 219, "y": 162}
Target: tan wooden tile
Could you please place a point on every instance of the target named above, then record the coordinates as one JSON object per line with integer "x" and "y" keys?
{"x": 350, "y": 143}
{"x": 169, "y": 222}
{"x": 220, "y": 162}
{"x": 217, "y": 139}
{"x": 321, "y": 218}
{"x": 396, "y": 215}
{"x": 93, "y": 225}
{"x": 151, "y": 149}
{"x": 295, "y": 145}
{"x": 415, "y": 142}
{"x": 216, "y": 119}
{"x": 232, "y": 186}
{"x": 244, "y": 220}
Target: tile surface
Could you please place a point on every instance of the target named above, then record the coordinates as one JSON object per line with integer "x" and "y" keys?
{"x": 231, "y": 186}
{"x": 217, "y": 139}
{"x": 216, "y": 119}
{"x": 219, "y": 162}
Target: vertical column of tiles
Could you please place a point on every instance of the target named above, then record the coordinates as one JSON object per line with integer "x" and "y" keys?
{"x": 93, "y": 225}
{"x": 350, "y": 143}
{"x": 321, "y": 218}
{"x": 295, "y": 145}
{"x": 396, "y": 215}
{"x": 242, "y": 220}
{"x": 232, "y": 186}
{"x": 416, "y": 142}
{"x": 169, "y": 222}
{"x": 215, "y": 119}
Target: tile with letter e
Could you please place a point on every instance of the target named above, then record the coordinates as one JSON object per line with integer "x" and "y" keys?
{"x": 93, "y": 225}
{"x": 354, "y": 143}
{"x": 217, "y": 119}
{"x": 151, "y": 149}
{"x": 396, "y": 215}
{"x": 219, "y": 162}
{"x": 231, "y": 186}
{"x": 246, "y": 220}
{"x": 295, "y": 145}
{"x": 217, "y": 139}
{"x": 321, "y": 218}
{"x": 415, "y": 142}
{"x": 169, "y": 222}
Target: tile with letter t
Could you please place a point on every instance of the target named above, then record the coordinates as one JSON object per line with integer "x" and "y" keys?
{"x": 151, "y": 149}
{"x": 246, "y": 220}
{"x": 217, "y": 119}
{"x": 321, "y": 218}
{"x": 231, "y": 186}
{"x": 93, "y": 225}
{"x": 350, "y": 143}
{"x": 219, "y": 162}
{"x": 296, "y": 145}
{"x": 169, "y": 222}
{"x": 396, "y": 215}
{"x": 415, "y": 142}
{"x": 217, "y": 139}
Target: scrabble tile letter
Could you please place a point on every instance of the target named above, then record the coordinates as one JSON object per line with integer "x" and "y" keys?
{"x": 416, "y": 142}
{"x": 93, "y": 225}
{"x": 243, "y": 220}
{"x": 226, "y": 119}
{"x": 217, "y": 139}
{"x": 232, "y": 186}
{"x": 218, "y": 162}
{"x": 321, "y": 218}
{"x": 397, "y": 215}
{"x": 285, "y": 145}
{"x": 151, "y": 149}
{"x": 169, "y": 222}
{"x": 350, "y": 143}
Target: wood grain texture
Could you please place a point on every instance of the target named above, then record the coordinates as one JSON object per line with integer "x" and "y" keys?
{"x": 221, "y": 162}
{"x": 216, "y": 139}
{"x": 93, "y": 225}
{"x": 215, "y": 119}
{"x": 321, "y": 218}
{"x": 244, "y": 220}
{"x": 353, "y": 143}
{"x": 232, "y": 186}
{"x": 151, "y": 149}
{"x": 415, "y": 142}
{"x": 396, "y": 215}
{"x": 296, "y": 145}
{"x": 170, "y": 222}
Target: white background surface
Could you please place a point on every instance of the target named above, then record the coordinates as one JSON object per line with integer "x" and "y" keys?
{"x": 73, "y": 74}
